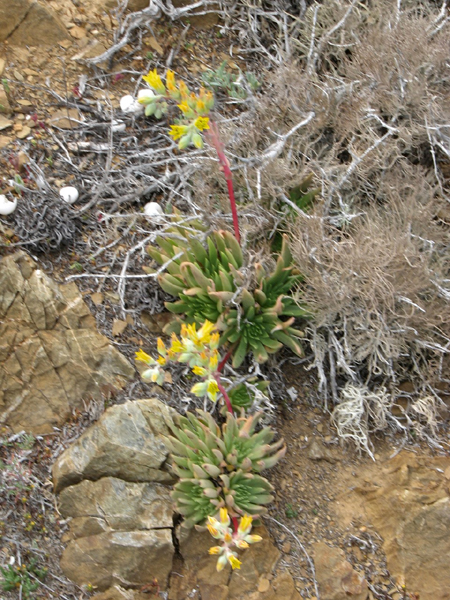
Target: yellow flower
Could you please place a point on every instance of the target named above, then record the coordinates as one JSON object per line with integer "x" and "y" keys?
{"x": 184, "y": 107}
{"x": 161, "y": 360}
{"x": 161, "y": 347}
{"x": 246, "y": 524}
{"x": 215, "y": 550}
{"x": 205, "y": 330}
{"x": 221, "y": 562}
{"x": 199, "y": 371}
{"x": 213, "y": 531}
{"x": 234, "y": 562}
{"x": 154, "y": 81}
{"x": 176, "y": 346}
{"x": 224, "y": 518}
{"x": 184, "y": 90}
{"x": 214, "y": 341}
{"x": 177, "y": 131}
{"x": 227, "y": 537}
{"x": 143, "y": 356}
{"x": 170, "y": 81}
{"x": 199, "y": 389}
{"x": 213, "y": 361}
{"x": 191, "y": 332}
{"x": 241, "y": 544}
{"x": 200, "y": 106}
{"x": 202, "y": 123}
{"x": 252, "y": 539}
{"x": 212, "y": 389}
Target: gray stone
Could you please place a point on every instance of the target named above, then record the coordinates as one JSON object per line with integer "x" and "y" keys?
{"x": 51, "y": 356}
{"x": 127, "y": 442}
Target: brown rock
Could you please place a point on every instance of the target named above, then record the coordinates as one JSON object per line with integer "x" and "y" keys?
{"x": 24, "y": 132}
{"x": 125, "y": 558}
{"x": 118, "y": 327}
{"x": 260, "y": 559}
{"x": 65, "y": 119}
{"x": 283, "y": 586}
{"x": 213, "y": 592}
{"x": 115, "y": 593}
{"x": 5, "y": 123}
{"x": 118, "y": 593}
{"x": 123, "y": 506}
{"x": 39, "y": 27}
{"x": 4, "y": 141}
{"x": 51, "y": 358}
{"x": 5, "y": 106}
{"x": 336, "y": 578}
{"x": 78, "y": 32}
{"x": 126, "y": 442}
{"x": 412, "y": 513}
{"x": 11, "y": 15}
{"x": 318, "y": 451}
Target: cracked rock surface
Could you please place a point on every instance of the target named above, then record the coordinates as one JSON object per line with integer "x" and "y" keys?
{"x": 51, "y": 355}
{"x": 113, "y": 487}
{"x": 121, "y": 515}
{"x": 24, "y": 22}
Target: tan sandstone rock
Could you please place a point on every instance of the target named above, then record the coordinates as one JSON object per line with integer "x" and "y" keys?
{"x": 11, "y": 15}
{"x": 112, "y": 504}
{"x": 51, "y": 356}
{"x": 29, "y": 22}
{"x": 125, "y": 558}
{"x": 410, "y": 508}
{"x": 336, "y": 577}
{"x": 126, "y": 442}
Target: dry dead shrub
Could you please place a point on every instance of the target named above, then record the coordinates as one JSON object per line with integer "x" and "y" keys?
{"x": 375, "y": 286}
{"x": 359, "y": 96}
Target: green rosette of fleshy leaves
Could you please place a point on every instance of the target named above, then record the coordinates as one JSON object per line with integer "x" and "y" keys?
{"x": 219, "y": 466}
{"x": 208, "y": 279}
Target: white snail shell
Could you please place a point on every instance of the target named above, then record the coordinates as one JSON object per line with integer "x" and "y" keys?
{"x": 7, "y": 206}
{"x": 130, "y": 106}
{"x": 145, "y": 93}
{"x": 153, "y": 211}
{"x": 69, "y": 194}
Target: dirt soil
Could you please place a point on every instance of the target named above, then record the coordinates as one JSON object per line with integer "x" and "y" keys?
{"x": 316, "y": 473}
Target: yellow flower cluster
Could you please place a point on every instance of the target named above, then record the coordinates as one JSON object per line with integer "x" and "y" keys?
{"x": 199, "y": 349}
{"x": 195, "y": 108}
{"x": 221, "y": 530}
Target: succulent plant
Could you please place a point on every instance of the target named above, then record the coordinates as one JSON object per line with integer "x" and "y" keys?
{"x": 246, "y": 493}
{"x": 210, "y": 284}
{"x": 242, "y": 397}
{"x": 218, "y": 466}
